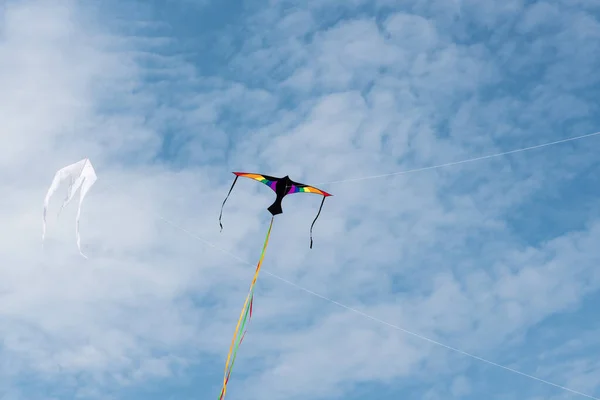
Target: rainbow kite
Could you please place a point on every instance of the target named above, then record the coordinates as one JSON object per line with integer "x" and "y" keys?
{"x": 282, "y": 187}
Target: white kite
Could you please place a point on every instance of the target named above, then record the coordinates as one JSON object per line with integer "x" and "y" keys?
{"x": 82, "y": 176}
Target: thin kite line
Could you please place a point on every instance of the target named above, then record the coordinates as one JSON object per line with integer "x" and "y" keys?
{"x": 363, "y": 314}
{"x": 504, "y": 153}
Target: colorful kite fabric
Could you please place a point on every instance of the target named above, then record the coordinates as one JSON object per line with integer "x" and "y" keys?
{"x": 294, "y": 187}
{"x": 81, "y": 176}
{"x": 281, "y": 187}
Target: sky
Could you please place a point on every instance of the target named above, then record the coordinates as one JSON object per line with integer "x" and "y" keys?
{"x": 498, "y": 258}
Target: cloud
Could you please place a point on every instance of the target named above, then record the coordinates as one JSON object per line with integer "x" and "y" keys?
{"x": 497, "y": 258}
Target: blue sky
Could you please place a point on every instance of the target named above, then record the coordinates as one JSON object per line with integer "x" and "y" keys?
{"x": 498, "y": 258}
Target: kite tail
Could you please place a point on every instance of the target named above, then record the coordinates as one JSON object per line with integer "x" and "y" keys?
{"x": 223, "y": 205}
{"x": 245, "y": 315}
{"x": 315, "y": 220}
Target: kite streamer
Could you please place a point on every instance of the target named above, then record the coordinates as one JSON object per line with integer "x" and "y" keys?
{"x": 245, "y": 316}
{"x": 281, "y": 187}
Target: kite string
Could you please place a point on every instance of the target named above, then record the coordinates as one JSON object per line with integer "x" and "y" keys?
{"x": 375, "y": 319}
{"x": 449, "y": 164}
{"x": 361, "y": 313}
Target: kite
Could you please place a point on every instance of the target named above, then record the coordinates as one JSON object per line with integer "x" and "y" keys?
{"x": 81, "y": 176}
{"x": 282, "y": 187}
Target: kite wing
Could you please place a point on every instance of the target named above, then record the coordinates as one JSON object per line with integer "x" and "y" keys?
{"x": 302, "y": 188}
{"x": 270, "y": 181}
{"x": 82, "y": 177}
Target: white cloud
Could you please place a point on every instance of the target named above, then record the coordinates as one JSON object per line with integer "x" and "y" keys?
{"x": 440, "y": 253}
